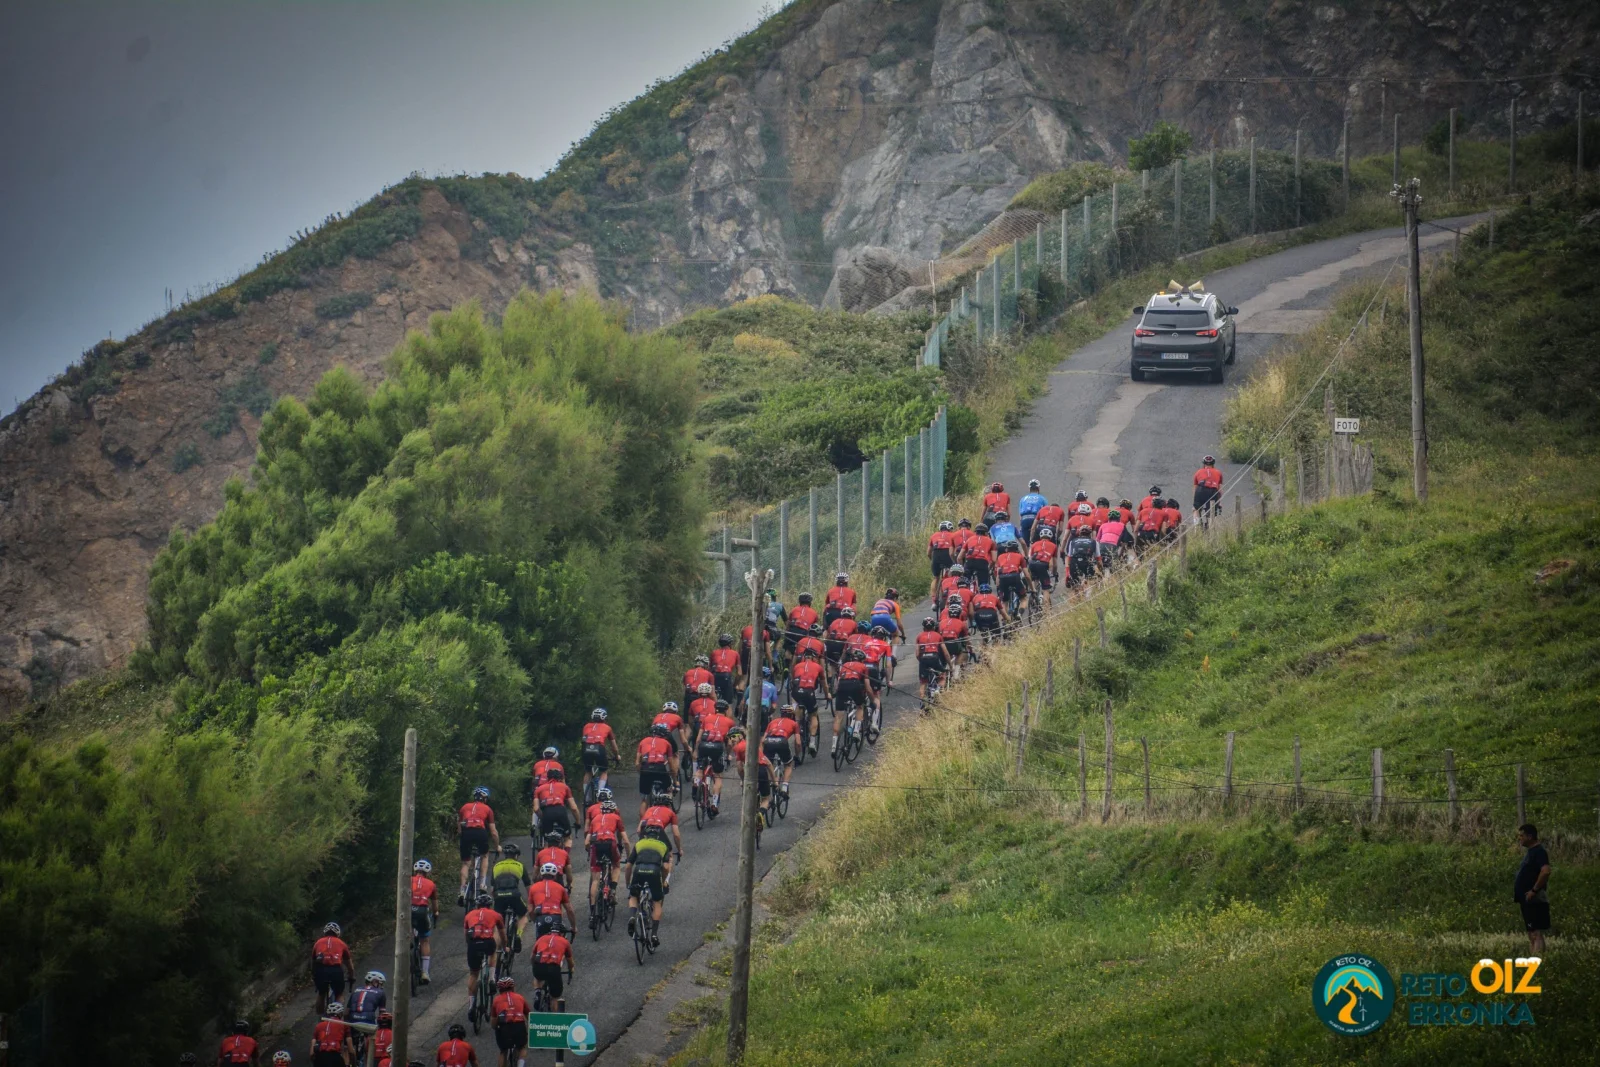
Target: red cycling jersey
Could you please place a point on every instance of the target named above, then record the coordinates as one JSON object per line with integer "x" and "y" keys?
{"x": 660, "y": 816}
{"x": 509, "y": 1009}
{"x": 544, "y": 767}
{"x": 552, "y": 948}
{"x": 1042, "y": 551}
{"x": 237, "y": 1048}
{"x": 695, "y": 677}
{"x": 554, "y": 854}
{"x": 942, "y": 541}
{"x": 606, "y": 826}
{"x": 670, "y": 719}
{"x": 930, "y": 643}
{"x": 860, "y": 639}
{"x": 812, "y": 645}
{"x": 553, "y": 794}
{"x": 716, "y": 728}
{"x": 475, "y": 816}
{"x": 962, "y": 603}
{"x": 996, "y": 502}
{"x": 853, "y": 671}
{"x": 724, "y": 660}
{"x": 782, "y": 727}
{"x": 330, "y": 951}
{"x": 739, "y": 752}
{"x": 546, "y": 896}
{"x": 597, "y": 733}
{"x": 841, "y": 629}
{"x": 1174, "y": 518}
{"x": 455, "y": 1054}
{"x": 329, "y": 1035}
{"x": 986, "y": 602}
{"x": 1152, "y": 520}
{"x": 1209, "y": 477}
{"x": 655, "y": 750}
{"x": 1009, "y": 563}
{"x": 802, "y": 618}
{"x": 481, "y": 924}
{"x": 877, "y": 648}
{"x": 1098, "y": 517}
{"x": 840, "y": 596}
{"x": 1050, "y": 515}
{"x": 423, "y": 891}
{"x": 980, "y": 546}
{"x": 952, "y": 629}
{"x": 806, "y": 675}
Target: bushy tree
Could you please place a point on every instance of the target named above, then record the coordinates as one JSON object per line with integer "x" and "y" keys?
{"x": 1163, "y": 144}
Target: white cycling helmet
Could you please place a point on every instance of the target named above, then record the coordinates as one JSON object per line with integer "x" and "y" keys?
{"x": 375, "y": 978}
{"x": 335, "y": 1010}
{"x": 332, "y": 930}
{"x": 422, "y": 867}
{"x": 598, "y": 715}
{"x": 549, "y": 870}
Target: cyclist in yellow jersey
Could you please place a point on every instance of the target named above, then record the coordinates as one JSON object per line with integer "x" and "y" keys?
{"x": 650, "y": 864}
{"x": 511, "y": 882}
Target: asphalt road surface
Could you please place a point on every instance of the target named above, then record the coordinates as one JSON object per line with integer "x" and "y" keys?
{"x": 1095, "y": 429}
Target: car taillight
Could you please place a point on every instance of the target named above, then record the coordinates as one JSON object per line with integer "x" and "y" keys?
{"x": 1205, "y": 333}
{"x": 1144, "y": 333}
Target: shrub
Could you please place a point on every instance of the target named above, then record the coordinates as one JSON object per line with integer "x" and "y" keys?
{"x": 60, "y": 434}
{"x": 187, "y": 455}
{"x": 268, "y": 353}
{"x": 343, "y": 305}
{"x": 1065, "y": 188}
{"x": 1159, "y": 147}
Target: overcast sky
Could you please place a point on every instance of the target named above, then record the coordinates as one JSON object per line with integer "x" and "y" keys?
{"x": 147, "y": 146}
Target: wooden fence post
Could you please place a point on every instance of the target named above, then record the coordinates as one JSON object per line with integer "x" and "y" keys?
{"x": 1144, "y": 743}
{"x": 1227, "y": 766}
{"x": 1100, "y": 613}
{"x": 1297, "y": 790}
{"x": 1105, "y": 805}
{"x": 1377, "y": 783}
{"x": 1450, "y": 785}
{"x": 1150, "y": 583}
{"x": 1522, "y": 793}
{"x": 1299, "y": 478}
{"x": 1263, "y": 509}
{"x": 1022, "y": 737}
{"x": 1083, "y": 780}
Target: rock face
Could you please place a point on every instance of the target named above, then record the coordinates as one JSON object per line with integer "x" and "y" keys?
{"x": 864, "y": 138}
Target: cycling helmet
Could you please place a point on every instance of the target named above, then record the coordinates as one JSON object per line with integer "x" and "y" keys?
{"x": 981, "y": 529}
{"x": 788, "y": 709}
{"x": 241, "y": 1026}
{"x": 891, "y": 593}
{"x": 551, "y": 752}
{"x": 554, "y": 838}
{"x": 857, "y": 655}
{"x": 485, "y": 900}
{"x": 954, "y": 611}
{"x": 603, "y": 794}
{"x": 766, "y": 672}
{"x": 985, "y": 587}
{"x": 422, "y": 867}
{"x": 606, "y": 806}
{"x": 880, "y": 631}
{"x": 841, "y": 578}
{"x": 331, "y": 930}
{"x": 660, "y": 729}
{"x": 848, "y": 612}
{"x": 946, "y": 525}
{"x": 1003, "y": 516}
{"x": 658, "y": 797}
{"x": 702, "y": 660}
{"x": 956, "y": 601}
{"x": 375, "y": 978}
{"x": 457, "y": 1032}
{"x": 555, "y": 774}
{"x": 1155, "y": 490}
{"x": 930, "y": 623}
{"x": 506, "y": 984}
{"x": 724, "y": 639}
{"x": 721, "y": 705}
{"x": 962, "y": 583}
{"x": 334, "y": 1010}
{"x": 1115, "y": 515}
{"x": 1208, "y": 461}
{"x": 804, "y": 598}
{"x": 511, "y": 848}
{"x": 670, "y": 706}
{"x": 481, "y": 794}
{"x": 1102, "y": 502}
{"x": 816, "y": 628}
{"x": 1033, "y": 483}
{"x": 1126, "y": 503}
{"x": 277, "y": 1057}
{"x": 385, "y": 1016}
{"x": 772, "y": 594}
{"x": 965, "y": 522}
{"x": 598, "y": 715}
{"x": 997, "y": 488}
{"x": 705, "y": 689}
{"x": 1047, "y": 532}
{"x": 1080, "y": 495}
{"x": 957, "y": 570}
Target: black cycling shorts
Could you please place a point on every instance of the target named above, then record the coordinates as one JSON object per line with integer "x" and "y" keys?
{"x": 553, "y": 818}
{"x": 806, "y": 698}
{"x": 549, "y": 975}
{"x": 512, "y": 907}
{"x": 988, "y": 621}
{"x": 654, "y": 777}
{"x": 478, "y": 950}
{"x": 833, "y": 650}
{"x": 511, "y": 1036}
{"x": 930, "y": 667}
{"x": 646, "y": 876}
{"x": 940, "y": 562}
{"x": 1040, "y": 572}
{"x": 1203, "y": 495}
{"x": 327, "y": 1059}
{"x": 474, "y": 837}
{"x": 1010, "y": 583}
{"x": 724, "y": 684}
{"x": 850, "y": 689}
{"x": 977, "y": 571}
{"x": 422, "y": 920}
{"x": 778, "y": 749}
{"x": 545, "y": 922}
{"x": 714, "y": 755}
{"x": 329, "y": 978}
{"x": 595, "y": 759}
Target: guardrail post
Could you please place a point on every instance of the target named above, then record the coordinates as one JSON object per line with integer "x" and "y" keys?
{"x": 1522, "y": 794}
{"x": 1377, "y": 783}
{"x": 783, "y": 547}
{"x": 811, "y": 538}
{"x": 994, "y": 267}
{"x": 727, "y": 567}
{"x": 1396, "y": 149}
{"x": 977, "y": 307}
{"x": 1144, "y": 181}
{"x": 1087, "y": 237}
{"x": 1227, "y": 766}
{"x": 1211, "y": 211}
{"x": 1177, "y": 203}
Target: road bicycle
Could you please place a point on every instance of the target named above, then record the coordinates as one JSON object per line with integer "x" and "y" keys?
{"x": 644, "y": 926}
{"x": 591, "y": 784}
{"x": 702, "y": 793}
{"x": 416, "y": 961}
{"x": 483, "y": 998}
{"x": 849, "y": 746}
{"x": 1035, "y": 605}
{"x": 604, "y": 910}
{"x": 477, "y": 878}
{"x": 506, "y": 956}
{"x": 541, "y": 1000}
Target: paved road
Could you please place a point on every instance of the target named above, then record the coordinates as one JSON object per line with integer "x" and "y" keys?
{"x": 1096, "y": 429}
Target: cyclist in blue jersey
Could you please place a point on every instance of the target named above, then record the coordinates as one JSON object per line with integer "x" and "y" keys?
{"x": 365, "y": 1003}
{"x": 1028, "y": 507}
{"x": 1001, "y": 530}
{"x": 886, "y": 613}
{"x": 769, "y": 694}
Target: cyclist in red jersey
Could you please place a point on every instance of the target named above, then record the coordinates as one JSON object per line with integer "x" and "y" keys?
{"x": 703, "y": 704}
{"x": 1101, "y": 513}
{"x": 549, "y": 952}
{"x": 995, "y": 501}
{"x": 1207, "y": 485}
{"x": 763, "y": 764}
{"x": 801, "y": 620}
{"x": 780, "y": 742}
{"x": 978, "y": 555}
{"x": 712, "y": 752}
{"x": 485, "y": 934}
{"x": 599, "y": 749}
{"x": 855, "y": 687}
{"x": 989, "y": 614}
{"x": 478, "y": 834}
{"x": 331, "y": 1042}
{"x": 812, "y": 643}
{"x": 549, "y": 763}
{"x": 661, "y": 817}
{"x": 1173, "y": 518}
{"x": 509, "y": 1012}
{"x": 807, "y": 681}
{"x": 838, "y": 597}
{"x": 933, "y": 655}
{"x": 725, "y": 668}
{"x": 332, "y": 969}
{"x": 1012, "y": 583}
{"x": 696, "y": 676}
{"x": 554, "y": 851}
{"x": 548, "y": 900}
{"x": 941, "y": 552}
{"x": 424, "y": 913}
{"x": 1044, "y": 557}
{"x": 605, "y": 836}
{"x": 840, "y": 631}
{"x": 1052, "y": 515}
{"x": 384, "y": 1036}
{"x": 954, "y": 630}
{"x": 455, "y": 1052}
{"x": 555, "y": 809}
{"x": 880, "y": 660}
{"x": 947, "y": 585}
{"x": 239, "y": 1046}
{"x": 670, "y": 717}
{"x": 657, "y": 763}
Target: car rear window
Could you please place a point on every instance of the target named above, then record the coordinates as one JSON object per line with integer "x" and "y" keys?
{"x": 1176, "y": 319}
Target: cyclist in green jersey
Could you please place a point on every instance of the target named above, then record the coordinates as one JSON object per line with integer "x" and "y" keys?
{"x": 650, "y": 864}
{"x": 511, "y": 881}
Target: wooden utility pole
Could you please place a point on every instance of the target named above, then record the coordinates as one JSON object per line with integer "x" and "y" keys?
{"x": 1410, "y": 197}
{"x": 739, "y": 985}
{"x": 402, "y": 900}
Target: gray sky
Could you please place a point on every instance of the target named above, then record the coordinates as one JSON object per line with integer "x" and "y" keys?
{"x": 149, "y": 146}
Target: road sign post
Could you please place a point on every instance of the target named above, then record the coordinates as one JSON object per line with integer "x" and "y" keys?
{"x": 1347, "y": 426}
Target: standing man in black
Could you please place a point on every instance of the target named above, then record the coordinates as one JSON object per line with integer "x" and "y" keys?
{"x": 1529, "y": 887}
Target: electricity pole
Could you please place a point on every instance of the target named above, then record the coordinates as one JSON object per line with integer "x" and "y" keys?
{"x": 743, "y": 916}
{"x": 402, "y": 902}
{"x": 1410, "y": 197}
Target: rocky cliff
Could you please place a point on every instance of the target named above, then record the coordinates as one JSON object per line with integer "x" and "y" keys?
{"x": 900, "y": 126}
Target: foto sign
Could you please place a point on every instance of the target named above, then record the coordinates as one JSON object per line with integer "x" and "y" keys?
{"x": 562, "y": 1030}
{"x": 1346, "y": 425}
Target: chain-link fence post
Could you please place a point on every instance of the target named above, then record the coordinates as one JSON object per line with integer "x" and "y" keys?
{"x": 866, "y": 502}
{"x": 922, "y": 470}
{"x": 783, "y": 547}
{"x": 1297, "y": 178}
{"x": 905, "y": 483}
{"x": 1252, "y": 185}
{"x": 887, "y": 498}
{"x": 1211, "y": 210}
{"x": 811, "y": 539}
{"x": 838, "y": 505}
{"x": 994, "y": 268}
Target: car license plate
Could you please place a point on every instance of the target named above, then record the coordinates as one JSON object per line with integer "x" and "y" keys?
{"x": 1174, "y": 355}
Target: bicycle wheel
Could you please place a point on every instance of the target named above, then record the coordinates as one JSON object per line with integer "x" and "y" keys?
{"x": 699, "y": 807}
{"x": 840, "y": 749}
{"x": 782, "y": 804}
{"x": 874, "y": 726}
{"x": 853, "y": 744}
{"x": 416, "y": 964}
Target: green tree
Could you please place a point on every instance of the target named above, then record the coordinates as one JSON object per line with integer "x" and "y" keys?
{"x": 1163, "y": 144}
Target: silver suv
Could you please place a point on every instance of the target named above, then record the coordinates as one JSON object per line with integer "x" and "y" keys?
{"x": 1183, "y": 330}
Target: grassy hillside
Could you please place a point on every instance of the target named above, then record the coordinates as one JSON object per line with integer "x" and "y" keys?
{"x": 954, "y": 910}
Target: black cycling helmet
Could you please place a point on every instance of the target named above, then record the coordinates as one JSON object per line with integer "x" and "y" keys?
{"x": 721, "y": 705}
{"x": 880, "y": 631}
{"x": 891, "y": 593}
{"x": 1002, "y": 516}
{"x": 241, "y": 1026}
{"x": 1208, "y": 461}
{"x": 1155, "y": 490}
{"x": 962, "y": 583}
{"x": 511, "y": 848}
{"x": 805, "y": 598}
{"x": 954, "y": 610}
{"x": 725, "y": 639}
{"x": 188, "y": 1059}
{"x": 457, "y": 1032}
{"x": 552, "y": 838}
{"x": 816, "y": 628}
{"x": 1048, "y": 533}
{"x": 485, "y": 900}
{"x": 1033, "y": 483}
{"x": 660, "y": 729}
{"x": 930, "y": 623}
{"x": 857, "y": 655}
{"x": 1102, "y": 502}
{"x": 1080, "y": 495}
{"x": 702, "y": 660}
{"x": 981, "y": 529}
{"x": 965, "y": 522}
